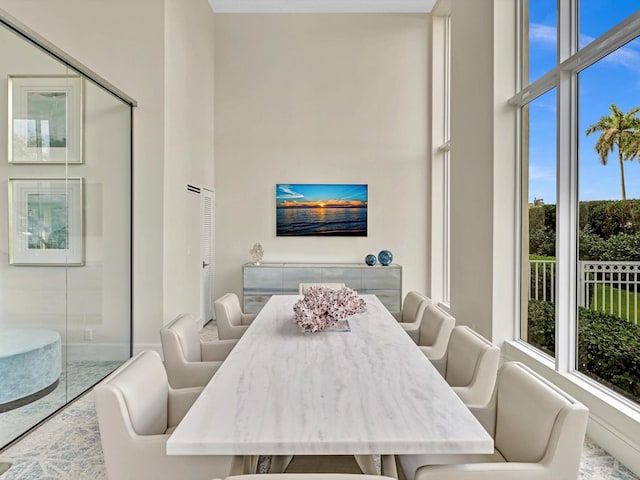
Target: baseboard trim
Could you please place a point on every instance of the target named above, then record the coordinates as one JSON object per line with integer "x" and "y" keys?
{"x": 140, "y": 347}
{"x": 100, "y": 352}
{"x": 105, "y": 352}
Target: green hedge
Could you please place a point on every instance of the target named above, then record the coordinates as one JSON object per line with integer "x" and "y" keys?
{"x": 610, "y": 217}
{"x": 609, "y": 230}
{"x": 608, "y": 347}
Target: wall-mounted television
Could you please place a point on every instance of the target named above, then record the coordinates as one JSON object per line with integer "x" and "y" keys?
{"x": 309, "y": 209}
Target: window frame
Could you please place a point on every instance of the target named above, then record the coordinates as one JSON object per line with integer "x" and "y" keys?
{"x": 441, "y": 141}
{"x": 563, "y": 77}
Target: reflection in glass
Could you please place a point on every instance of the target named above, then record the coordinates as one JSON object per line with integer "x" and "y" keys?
{"x": 65, "y": 259}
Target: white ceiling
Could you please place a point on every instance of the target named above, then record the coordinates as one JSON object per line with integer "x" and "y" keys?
{"x": 322, "y": 6}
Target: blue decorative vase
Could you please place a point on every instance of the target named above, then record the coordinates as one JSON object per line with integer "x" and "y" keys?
{"x": 370, "y": 260}
{"x": 385, "y": 257}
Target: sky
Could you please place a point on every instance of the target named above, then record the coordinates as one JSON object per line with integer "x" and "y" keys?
{"x": 320, "y": 195}
{"x": 614, "y": 79}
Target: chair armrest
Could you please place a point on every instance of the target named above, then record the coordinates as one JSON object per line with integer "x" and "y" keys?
{"x": 440, "y": 364}
{"x": 484, "y": 471}
{"x": 180, "y": 401}
{"x": 247, "y": 318}
{"x": 413, "y": 330}
{"x": 197, "y": 374}
{"x": 216, "y": 350}
{"x": 239, "y": 329}
{"x": 486, "y": 415}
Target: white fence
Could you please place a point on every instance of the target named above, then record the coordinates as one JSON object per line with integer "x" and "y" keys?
{"x": 610, "y": 287}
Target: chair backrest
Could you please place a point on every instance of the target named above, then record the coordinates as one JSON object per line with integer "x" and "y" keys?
{"x": 302, "y": 288}
{"x": 180, "y": 338}
{"x": 412, "y": 306}
{"x": 142, "y": 384}
{"x": 434, "y": 321}
{"x": 228, "y": 310}
{"x": 535, "y": 419}
{"x": 472, "y": 359}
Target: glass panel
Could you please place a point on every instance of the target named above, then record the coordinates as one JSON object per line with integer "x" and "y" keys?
{"x": 540, "y": 39}
{"x": 539, "y": 222}
{"x": 98, "y": 293}
{"x": 599, "y": 16}
{"x": 65, "y": 229}
{"x": 609, "y": 224}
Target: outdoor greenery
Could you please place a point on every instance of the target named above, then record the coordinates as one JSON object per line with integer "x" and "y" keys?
{"x": 609, "y": 299}
{"x": 607, "y": 345}
{"x": 609, "y": 230}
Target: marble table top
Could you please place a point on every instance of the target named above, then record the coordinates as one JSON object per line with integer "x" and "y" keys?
{"x": 367, "y": 391}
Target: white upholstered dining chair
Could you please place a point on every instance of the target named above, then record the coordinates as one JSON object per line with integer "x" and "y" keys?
{"x": 230, "y": 319}
{"x": 298, "y": 464}
{"x": 538, "y": 433}
{"x": 436, "y": 326}
{"x": 302, "y": 287}
{"x": 137, "y": 410}
{"x": 310, "y": 476}
{"x": 411, "y": 314}
{"x": 472, "y": 366}
{"x": 189, "y": 360}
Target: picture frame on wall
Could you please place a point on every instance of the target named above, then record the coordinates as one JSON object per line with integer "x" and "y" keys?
{"x": 46, "y": 221}
{"x": 45, "y": 119}
{"x": 325, "y": 210}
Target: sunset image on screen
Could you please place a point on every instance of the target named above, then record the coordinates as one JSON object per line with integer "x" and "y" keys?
{"x": 321, "y": 209}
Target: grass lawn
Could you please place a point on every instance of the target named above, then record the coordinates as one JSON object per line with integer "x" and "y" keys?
{"x": 541, "y": 257}
{"x": 619, "y": 299}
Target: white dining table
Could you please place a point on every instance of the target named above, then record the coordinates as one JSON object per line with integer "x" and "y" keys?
{"x": 370, "y": 390}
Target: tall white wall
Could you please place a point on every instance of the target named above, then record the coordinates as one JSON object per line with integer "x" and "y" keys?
{"x": 321, "y": 99}
{"x": 483, "y": 166}
{"x": 472, "y": 163}
{"x": 189, "y": 67}
{"x": 129, "y": 44}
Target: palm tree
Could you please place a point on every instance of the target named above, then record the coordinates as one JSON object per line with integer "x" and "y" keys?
{"x": 631, "y": 147}
{"x": 617, "y": 129}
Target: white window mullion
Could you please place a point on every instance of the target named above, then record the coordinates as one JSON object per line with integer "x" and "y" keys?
{"x": 567, "y": 195}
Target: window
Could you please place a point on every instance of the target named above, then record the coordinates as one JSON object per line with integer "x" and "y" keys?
{"x": 540, "y": 38}
{"x": 598, "y": 16}
{"x": 441, "y": 159}
{"x": 539, "y": 188}
{"x": 580, "y": 139}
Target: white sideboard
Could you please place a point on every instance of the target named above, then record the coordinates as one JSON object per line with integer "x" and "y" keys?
{"x": 262, "y": 281}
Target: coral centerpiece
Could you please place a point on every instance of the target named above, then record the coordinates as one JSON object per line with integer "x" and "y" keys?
{"x": 323, "y": 307}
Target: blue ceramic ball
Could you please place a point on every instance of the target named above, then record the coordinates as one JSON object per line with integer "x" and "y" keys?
{"x": 370, "y": 260}
{"x": 385, "y": 257}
